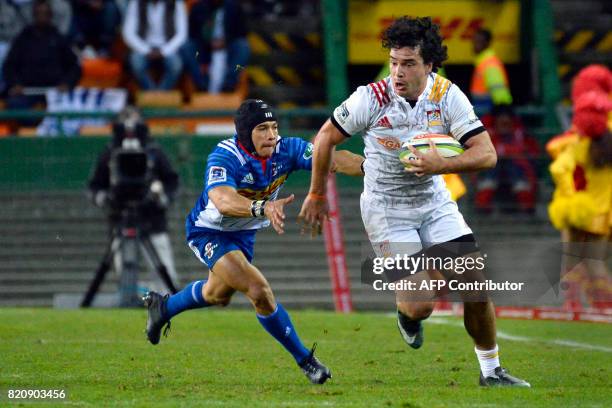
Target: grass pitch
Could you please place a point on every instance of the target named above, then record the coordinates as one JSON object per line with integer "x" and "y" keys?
{"x": 224, "y": 358}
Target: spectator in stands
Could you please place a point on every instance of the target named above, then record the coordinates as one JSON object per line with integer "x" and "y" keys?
{"x": 489, "y": 85}
{"x": 514, "y": 177}
{"x": 130, "y": 132}
{"x": 15, "y": 15}
{"x": 217, "y": 31}
{"x": 40, "y": 57}
{"x": 94, "y": 24}
{"x": 155, "y": 30}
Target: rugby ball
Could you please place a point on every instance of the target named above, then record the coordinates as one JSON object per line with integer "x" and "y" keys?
{"x": 446, "y": 146}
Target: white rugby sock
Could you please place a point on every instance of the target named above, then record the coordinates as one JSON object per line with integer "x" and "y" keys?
{"x": 489, "y": 360}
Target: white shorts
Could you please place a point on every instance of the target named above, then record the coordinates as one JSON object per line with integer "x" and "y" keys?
{"x": 391, "y": 230}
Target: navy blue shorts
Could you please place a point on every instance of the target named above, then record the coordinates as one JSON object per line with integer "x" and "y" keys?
{"x": 209, "y": 246}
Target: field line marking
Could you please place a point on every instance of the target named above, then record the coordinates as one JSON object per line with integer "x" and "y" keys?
{"x": 570, "y": 343}
{"x": 512, "y": 337}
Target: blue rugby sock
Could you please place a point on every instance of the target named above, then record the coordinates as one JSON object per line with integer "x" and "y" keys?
{"x": 190, "y": 297}
{"x": 279, "y": 325}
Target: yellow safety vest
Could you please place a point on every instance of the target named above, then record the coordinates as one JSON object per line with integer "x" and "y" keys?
{"x": 490, "y": 79}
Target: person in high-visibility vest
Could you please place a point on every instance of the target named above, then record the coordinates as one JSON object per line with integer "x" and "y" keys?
{"x": 490, "y": 81}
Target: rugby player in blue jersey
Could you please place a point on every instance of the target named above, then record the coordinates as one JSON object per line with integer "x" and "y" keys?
{"x": 243, "y": 177}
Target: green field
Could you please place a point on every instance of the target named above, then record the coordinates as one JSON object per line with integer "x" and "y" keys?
{"x": 223, "y": 358}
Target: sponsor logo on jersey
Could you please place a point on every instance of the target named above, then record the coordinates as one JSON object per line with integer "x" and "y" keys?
{"x": 209, "y": 249}
{"x": 434, "y": 118}
{"x": 248, "y": 179}
{"x": 384, "y": 122}
{"x": 274, "y": 169}
{"x": 389, "y": 143}
{"x": 265, "y": 193}
{"x": 308, "y": 152}
{"x": 217, "y": 174}
{"x": 343, "y": 113}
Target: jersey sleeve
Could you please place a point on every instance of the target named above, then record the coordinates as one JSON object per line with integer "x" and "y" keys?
{"x": 301, "y": 153}
{"x": 220, "y": 171}
{"x": 463, "y": 120}
{"x": 355, "y": 113}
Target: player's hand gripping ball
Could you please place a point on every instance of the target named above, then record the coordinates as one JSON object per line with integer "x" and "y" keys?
{"x": 446, "y": 146}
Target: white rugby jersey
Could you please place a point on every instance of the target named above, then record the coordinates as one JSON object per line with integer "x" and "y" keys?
{"x": 387, "y": 121}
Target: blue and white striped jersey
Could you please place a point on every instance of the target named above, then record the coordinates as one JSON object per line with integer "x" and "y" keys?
{"x": 254, "y": 178}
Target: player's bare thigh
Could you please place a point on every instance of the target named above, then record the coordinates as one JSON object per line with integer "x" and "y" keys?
{"x": 237, "y": 273}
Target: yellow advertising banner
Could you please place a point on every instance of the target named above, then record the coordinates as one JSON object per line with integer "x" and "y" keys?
{"x": 458, "y": 19}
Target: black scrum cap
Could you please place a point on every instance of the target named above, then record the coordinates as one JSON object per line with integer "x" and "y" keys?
{"x": 251, "y": 113}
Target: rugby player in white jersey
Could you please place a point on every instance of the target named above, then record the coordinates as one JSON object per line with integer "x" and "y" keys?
{"x": 402, "y": 205}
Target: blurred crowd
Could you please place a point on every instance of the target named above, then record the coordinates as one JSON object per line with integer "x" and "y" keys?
{"x": 155, "y": 44}
{"x": 50, "y": 43}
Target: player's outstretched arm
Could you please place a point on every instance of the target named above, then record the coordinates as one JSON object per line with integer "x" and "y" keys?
{"x": 314, "y": 209}
{"x": 325, "y": 142}
{"x": 348, "y": 163}
{"x": 230, "y": 203}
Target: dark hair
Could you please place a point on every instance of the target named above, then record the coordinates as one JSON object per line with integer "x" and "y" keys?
{"x": 143, "y": 21}
{"x": 600, "y": 150}
{"x": 418, "y": 32}
{"x": 486, "y": 34}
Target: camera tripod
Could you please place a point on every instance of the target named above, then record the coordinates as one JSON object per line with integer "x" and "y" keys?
{"x": 127, "y": 238}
